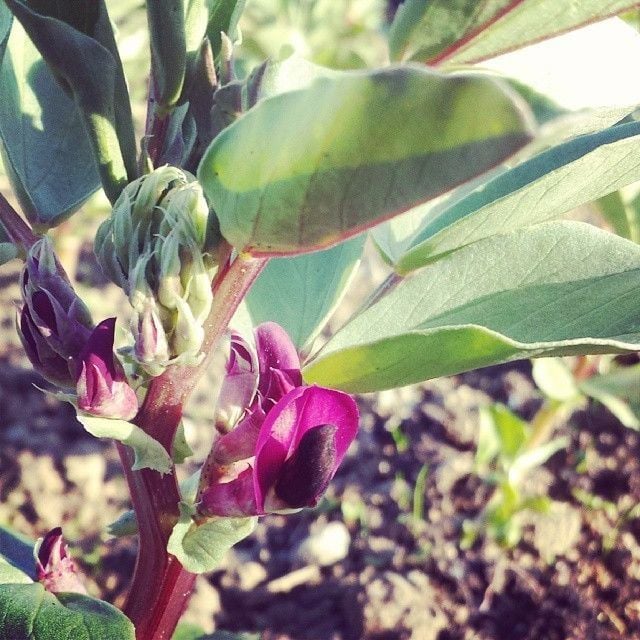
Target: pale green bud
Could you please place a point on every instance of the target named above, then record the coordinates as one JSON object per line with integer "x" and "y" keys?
{"x": 154, "y": 247}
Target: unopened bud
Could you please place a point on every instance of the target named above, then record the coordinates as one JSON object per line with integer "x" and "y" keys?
{"x": 54, "y": 323}
{"x": 102, "y": 386}
{"x": 55, "y": 568}
{"x": 155, "y": 247}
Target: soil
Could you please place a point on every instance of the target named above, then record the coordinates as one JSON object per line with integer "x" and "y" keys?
{"x": 374, "y": 561}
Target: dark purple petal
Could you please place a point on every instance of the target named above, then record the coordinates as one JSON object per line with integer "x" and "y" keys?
{"x": 102, "y": 386}
{"x": 55, "y": 568}
{"x": 286, "y": 425}
{"x": 98, "y": 350}
{"x": 44, "y": 359}
{"x": 42, "y": 307}
{"x": 305, "y": 476}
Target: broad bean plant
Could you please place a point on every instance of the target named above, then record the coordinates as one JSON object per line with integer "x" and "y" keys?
{"x": 256, "y": 192}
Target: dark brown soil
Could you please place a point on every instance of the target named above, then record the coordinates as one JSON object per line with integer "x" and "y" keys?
{"x": 399, "y": 577}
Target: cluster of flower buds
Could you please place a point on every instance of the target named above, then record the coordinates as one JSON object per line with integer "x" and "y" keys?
{"x": 281, "y": 441}
{"x": 154, "y": 246}
{"x": 59, "y": 337}
{"x": 55, "y": 569}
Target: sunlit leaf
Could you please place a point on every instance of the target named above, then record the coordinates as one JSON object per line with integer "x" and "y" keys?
{"x": 560, "y": 288}
{"x": 540, "y": 189}
{"x": 351, "y": 150}
{"x": 47, "y": 154}
{"x": 464, "y": 31}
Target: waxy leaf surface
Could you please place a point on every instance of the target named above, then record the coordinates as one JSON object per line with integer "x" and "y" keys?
{"x": 306, "y": 169}
{"x": 47, "y": 154}
{"x": 200, "y": 548}
{"x": 149, "y": 453}
{"x": 301, "y": 292}
{"x": 83, "y": 56}
{"x": 555, "y": 289}
{"x": 540, "y": 189}
{"x": 465, "y": 31}
{"x": 28, "y": 611}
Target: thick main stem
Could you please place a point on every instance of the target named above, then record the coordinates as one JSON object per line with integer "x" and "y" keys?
{"x": 161, "y": 586}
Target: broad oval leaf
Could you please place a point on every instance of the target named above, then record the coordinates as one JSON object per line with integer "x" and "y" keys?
{"x": 306, "y": 169}
{"x": 559, "y": 288}
{"x": 301, "y": 292}
{"x": 540, "y": 189}
{"x": 28, "y": 611}
{"x": 47, "y": 154}
{"x": 464, "y": 31}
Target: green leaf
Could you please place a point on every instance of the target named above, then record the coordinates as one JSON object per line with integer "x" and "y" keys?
{"x": 351, "y": 150}
{"x": 619, "y": 391}
{"x": 149, "y": 453}
{"x": 535, "y": 457}
{"x": 17, "y": 552}
{"x": 223, "y": 17}
{"x": 560, "y": 288}
{"x": 6, "y": 19}
{"x": 290, "y": 74}
{"x": 200, "y": 548}
{"x": 30, "y": 612}
{"x": 180, "y": 449}
{"x": 465, "y": 31}
{"x": 86, "y": 64}
{"x": 540, "y": 189}
{"x": 300, "y": 293}
{"x": 168, "y": 49}
{"x": 554, "y": 378}
{"x": 46, "y": 152}
{"x": 622, "y": 213}
{"x": 8, "y": 251}
{"x": 125, "y": 525}
{"x": 9, "y": 574}
{"x": 188, "y": 631}
{"x": 510, "y": 431}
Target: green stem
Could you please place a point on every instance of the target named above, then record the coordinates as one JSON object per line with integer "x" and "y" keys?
{"x": 160, "y": 587}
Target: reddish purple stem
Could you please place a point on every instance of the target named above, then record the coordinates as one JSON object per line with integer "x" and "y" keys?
{"x": 161, "y": 587}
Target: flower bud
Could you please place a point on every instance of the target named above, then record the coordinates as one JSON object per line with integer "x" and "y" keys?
{"x": 102, "y": 386}
{"x": 55, "y": 568}
{"x": 54, "y": 323}
{"x": 154, "y": 246}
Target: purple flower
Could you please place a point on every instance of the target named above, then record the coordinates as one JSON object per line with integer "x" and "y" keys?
{"x": 298, "y": 449}
{"x": 239, "y": 385}
{"x": 102, "y": 386}
{"x": 54, "y": 323}
{"x": 255, "y": 382}
{"x": 55, "y": 569}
